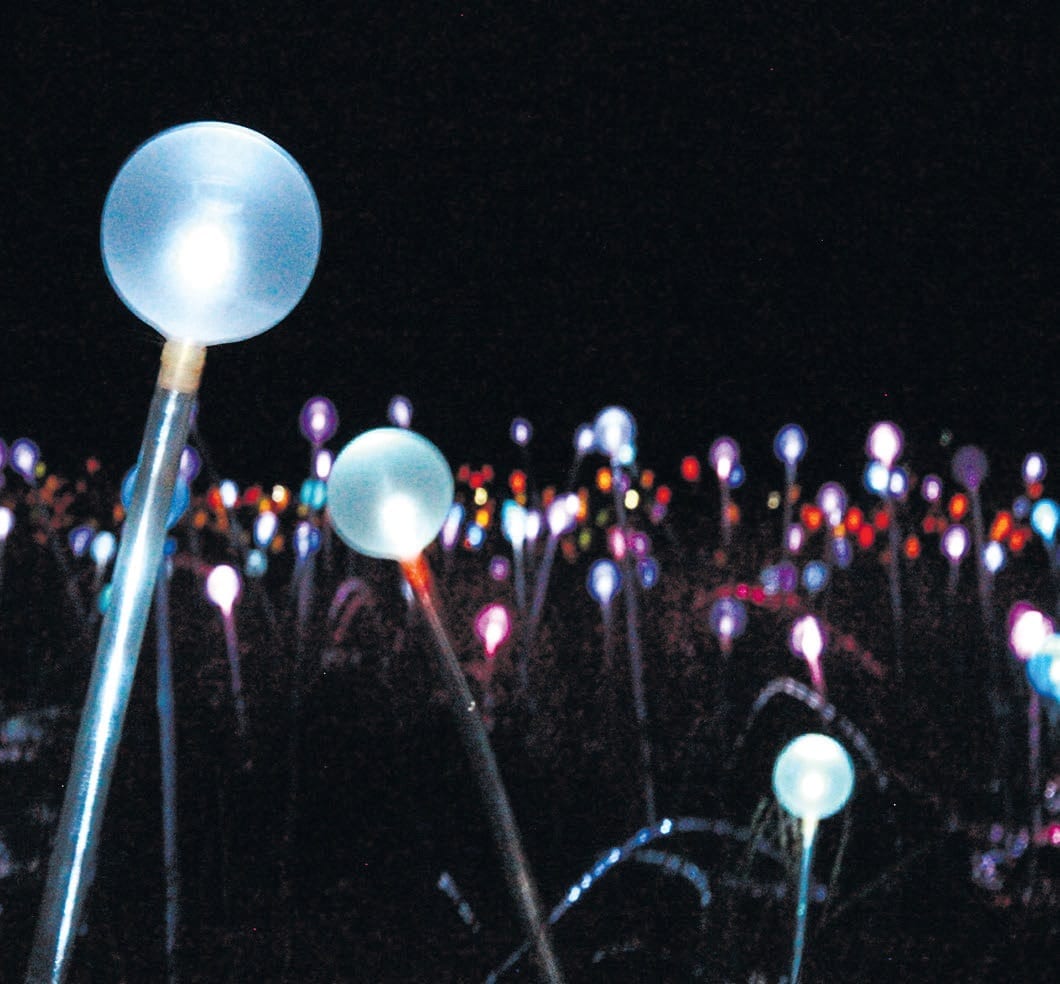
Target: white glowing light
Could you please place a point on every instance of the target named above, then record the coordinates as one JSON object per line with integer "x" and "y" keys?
{"x": 265, "y": 528}
{"x": 399, "y": 413}
{"x": 322, "y": 462}
{"x": 493, "y": 625}
{"x": 955, "y": 542}
{"x": 203, "y": 255}
{"x": 884, "y": 443}
{"x": 7, "y": 522}
{"x": 807, "y": 638}
{"x": 724, "y": 453}
{"x": 102, "y": 548}
{"x": 223, "y": 587}
{"x": 1028, "y": 630}
{"x": 229, "y": 493}
{"x": 813, "y": 777}
{"x": 1033, "y": 468}
{"x": 398, "y": 521}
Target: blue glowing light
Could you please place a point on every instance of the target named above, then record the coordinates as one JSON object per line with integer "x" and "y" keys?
{"x": 790, "y": 444}
{"x": 603, "y": 581}
{"x": 265, "y": 527}
{"x": 1021, "y": 507}
{"x": 450, "y": 533}
{"x": 521, "y": 431}
{"x": 177, "y": 506}
{"x": 737, "y": 475}
{"x": 513, "y": 523}
{"x": 877, "y": 478}
{"x": 615, "y": 432}
{"x": 648, "y": 572}
{"x": 314, "y": 493}
{"x": 842, "y": 552}
{"x": 728, "y": 619}
{"x": 475, "y": 537}
{"x": 190, "y": 464}
{"x": 815, "y": 576}
{"x": 306, "y": 540}
{"x": 210, "y": 233}
{"x": 79, "y": 538}
{"x": 256, "y": 564}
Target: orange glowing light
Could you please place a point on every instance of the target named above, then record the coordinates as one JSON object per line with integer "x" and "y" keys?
{"x": 482, "y": 517}
{"x": 912, "y": 547}
{"x": 732, "y": 513}
{"x": 1001, "y": 526}
{"x": 603, "y": 479}
{"x": 690, "y": 468}
{"x": 855, "y": 519}
{"x": 958, "y": 505}
{"x": 281, "y": 496}
{"x": 811, "y": 517}
{"x": 517, "y": 482}
{"x": 647, "y": 479}
{"x": 199, "y": 519}
{"x": 569, "y": 548}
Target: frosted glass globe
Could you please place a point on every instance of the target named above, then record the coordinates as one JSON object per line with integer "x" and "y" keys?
{"x": 389, "y": 493}
{"x": 210, "y": 233}
{"x": 813, "y": 776}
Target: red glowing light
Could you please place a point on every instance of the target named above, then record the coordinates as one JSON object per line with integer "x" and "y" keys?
{"x": 912, "y": 547}
{"x": 811, "y": 517}
{"x": 1035, "y": 490}
{"x": 664, "y": 495}
{"x": 855, "y": 519}
{"x": 866, "y": 537}
{"x": 690, "y": 468}
{"x": 881, "y": 519}
{"x": 958, "y": 505}
{"x": 1017, "y": 539}
{"x": 463, "y": 474}
{"x": 475, "y": 480}
{"x": 517, "y": 482}
{"x": 743, "y": 591}
{"x": 92, "y": 466}
{"x": 487, "y": 473}
{"x": 930, "y": 524}
{"x": 1002, "y": 525}
{"x": 758, "y": 594}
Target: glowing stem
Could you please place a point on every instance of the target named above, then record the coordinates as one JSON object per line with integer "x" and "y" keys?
{"x": 95, "y": 751}
{"x": 491, "y": 786}
{"x": 232, "y": 650}
{"x": 809, "y": 831}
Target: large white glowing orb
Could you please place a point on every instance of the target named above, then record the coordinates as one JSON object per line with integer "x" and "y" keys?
{"x": 210, "y": 233}
{"x": 813, "y": 777}
{"x": 389, "y": 493}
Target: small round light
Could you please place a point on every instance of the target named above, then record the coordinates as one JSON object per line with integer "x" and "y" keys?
{"x": 723, "y": 454}
{"x": 1045, "y": 514}
{"x": 728, "y": 619}
{"x": 223, "y": 587}
{"x": 790, "y": 444}
{"x": 493, "y": 625}
{"x": 102, "y": 548}
{"x": 813, "y": 777}
{"x": 955, "y": 543}
{"x": 1033, "y": 468}
{"x": 1028, "y": 628}
{"x": 931, "y": 488}
{"x": 603, "y": 581}
{"x": 399, "y": 412}
{"x": 615, "y": 432}
{"x": 521, "y": 431}
{"x": 884, "y": 443}
{"x": 318, "y": 420}
{"x": 389, "y": 493}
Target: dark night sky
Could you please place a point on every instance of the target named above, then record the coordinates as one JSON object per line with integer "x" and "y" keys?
{"x": 722, "y": 220}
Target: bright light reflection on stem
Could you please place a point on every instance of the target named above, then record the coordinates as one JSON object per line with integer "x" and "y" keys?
{"x": 484, "y": 765}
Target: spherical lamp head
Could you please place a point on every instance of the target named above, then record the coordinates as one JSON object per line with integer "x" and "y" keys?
{"x": 813, "y": 777}
{"x": 790, "y": 445}
{"x": 389, "y": 493}
{"x": 210, "y": 233}
{"x": 969, "y": 467}
{"x": 615, "y": 433}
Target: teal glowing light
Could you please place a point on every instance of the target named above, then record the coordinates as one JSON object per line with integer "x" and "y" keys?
{"x": 813, "y": 777}
{"x": 210, "y": 233}
{"x": 1043, "y": 669}
{"x": 314, "y": 493}
{"x": 513, "y": 523}
{"x": 1045, "y": 514}
{"x": 389, "y": 493}
{"x": 256, "y": 563}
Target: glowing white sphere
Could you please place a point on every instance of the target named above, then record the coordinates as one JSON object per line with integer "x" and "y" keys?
{"x": 7, "y": 522}
{"x": 813, "y": 777}
{"x": 223, "y": 587}
{"x": 102, "y": 548}
{"x": 884, "y": 443}
{"x": 807, "y": 638}
{"x": 615, "y": 431}
{"x": 1028, "y": 628}
{"x": 1034, "y": 468}
{"x": 210, "y": 233}
{"x": 790, "y": 444}
{"x": 955, "y": 543}
{"x": 389, "y": 493}
{"x": 603, "y": 581}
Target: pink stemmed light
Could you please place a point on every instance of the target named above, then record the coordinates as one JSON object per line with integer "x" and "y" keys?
{"x": 493, "y": 626}
{"x": 223, "y": 588}
{"x": 724, "y": 453}
{"x": 808, "y": 640}
{"x": 884, "y": 443}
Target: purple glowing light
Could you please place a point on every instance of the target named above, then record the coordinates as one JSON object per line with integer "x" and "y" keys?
{"x": 318, "y": 420}
{"x": 190, "y": 464}
{"x": 451, "y": 526}
{"x": 931, "y": 488}
{"x": 521, "y": 431}
{"x": 399, "y": 412}
{"x": 969, "y": 467}
{"x": 724, "y": 453}
{"x": 500, "y": 568}
{"x": 728, "y": 619}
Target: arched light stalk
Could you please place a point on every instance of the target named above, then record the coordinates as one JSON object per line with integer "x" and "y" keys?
{"x": 210, "y": 234}
{"x": 388, "y": 495}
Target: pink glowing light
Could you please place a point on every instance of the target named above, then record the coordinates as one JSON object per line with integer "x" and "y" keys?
{"x": 223, "y": 588}
{"x": 493, "y": 626}
{"x": 724, "y": 453}
{"x": 1028, "y": 628}
{"x": 808, "y": 640}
